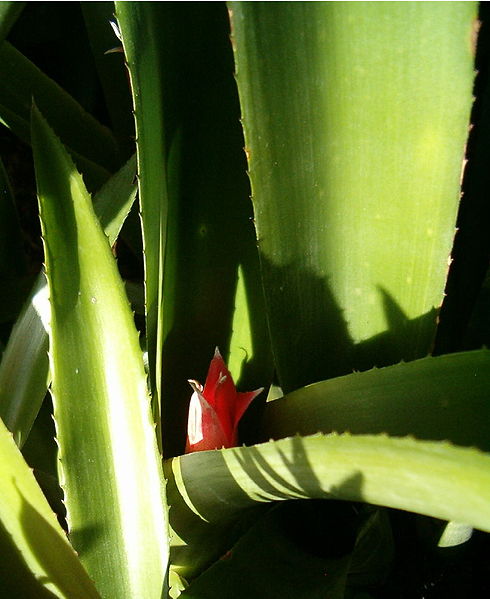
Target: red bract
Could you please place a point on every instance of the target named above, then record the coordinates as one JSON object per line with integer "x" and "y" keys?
{"x": 215, "y": 409}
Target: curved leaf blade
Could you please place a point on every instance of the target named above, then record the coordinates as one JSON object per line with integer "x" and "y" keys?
{"x": 208, "y": 489}
{"x": 9, "y": 12}
{"x": 21, "y": 81}
{"x": 138, "y": 24}
{"x": 111, "y": 70}
{"x": 442, "y": 398}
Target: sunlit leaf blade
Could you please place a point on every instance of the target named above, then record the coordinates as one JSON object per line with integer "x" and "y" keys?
{"x": 110, "y": 468}
{"x": 29, "y": 525}
{"x": 21, "y": 82}
{"x": 24, "y": 369}
{"x": 434, "y": 478}
{"x": 250, "y": 359}
{"x": 454, "y": 533}
{"x": 9, "y": 11}
{"x": 141, "y": 42}
{"x": 355, "y": 117}
{"x": 114, "y": 200}
{"x": 443, "y": 398}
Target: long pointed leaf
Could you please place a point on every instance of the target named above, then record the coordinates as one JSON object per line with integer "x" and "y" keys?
{"x": 111, "y": 69}
{"x": 9, "y": 12}
{"x": 110, "y": 468}
{"x": 141, "y": 41}
{"x": 24, "y": 369}
{"x": 21, "y": 81}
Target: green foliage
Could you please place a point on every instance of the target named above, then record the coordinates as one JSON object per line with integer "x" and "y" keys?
{"x": 354, "y": 117}
{"x": 109, "y": 466}
{"x": 359, "y": 162}
{"x": 24, "y": 376}
{"x": 29, "y": 528}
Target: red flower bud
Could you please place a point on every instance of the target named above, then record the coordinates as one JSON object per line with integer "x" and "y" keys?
{"x": 215, "y": 409}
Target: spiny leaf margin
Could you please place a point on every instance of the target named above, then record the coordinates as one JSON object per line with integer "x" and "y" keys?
{"x": 110, "y": 468}
{"x": 207, "y": 490}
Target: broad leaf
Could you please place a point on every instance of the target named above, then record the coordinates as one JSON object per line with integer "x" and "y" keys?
{"x": 433, "y": 398}
{"x": 355, "y": 117}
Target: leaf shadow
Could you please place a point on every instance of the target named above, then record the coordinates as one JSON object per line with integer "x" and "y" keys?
{"x": 210, "y": 232}
{"x": 17, "y": 579}
{"x": 48, "y": 546}
{"x": 315, "y": 345}
{"x": 240, "y": 481}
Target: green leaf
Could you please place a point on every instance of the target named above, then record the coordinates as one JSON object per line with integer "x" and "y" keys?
{"x": 141, "y": 39}
{"x": 195, "y": 206}
{"x": 250, "y": 362}
{"x": 355, "y": 117}
{"x": 110, "y": 468}
{"x": 24, "y": 369}
{"x": 455, "y": 533}
{"x": 9, "y": 12}
{"x": 113, "y": 202}
{"x": 443, "y": 398}
{"x": 208, "y": 490}
{"x": 31, "y": 537}
{"x": 93, "y": 145}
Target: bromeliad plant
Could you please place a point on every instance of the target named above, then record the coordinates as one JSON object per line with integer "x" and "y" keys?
{"x": 368, "y": 461}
